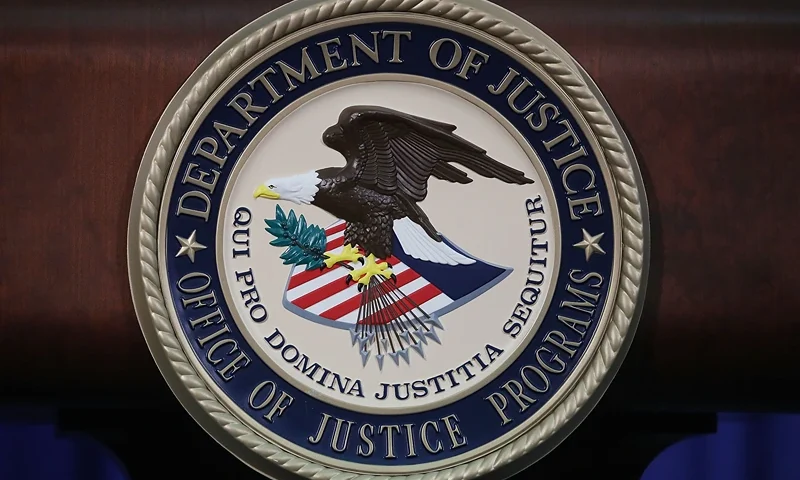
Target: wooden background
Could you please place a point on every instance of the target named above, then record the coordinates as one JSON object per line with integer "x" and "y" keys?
{"x": 708, "y": 94}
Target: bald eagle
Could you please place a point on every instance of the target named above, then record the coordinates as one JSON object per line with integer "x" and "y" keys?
{"x": 390, "y": 155}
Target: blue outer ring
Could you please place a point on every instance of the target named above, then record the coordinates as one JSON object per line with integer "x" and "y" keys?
{"x": 477, "y": 420}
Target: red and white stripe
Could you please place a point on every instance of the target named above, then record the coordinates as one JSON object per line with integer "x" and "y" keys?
{"x": 326, "y": 294}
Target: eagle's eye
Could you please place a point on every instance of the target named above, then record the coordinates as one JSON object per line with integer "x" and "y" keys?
{"x": 332, "y": 135}
{"x": 271, "y": 187}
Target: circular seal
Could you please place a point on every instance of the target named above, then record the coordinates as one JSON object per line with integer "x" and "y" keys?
{"x": 388, "y": 238}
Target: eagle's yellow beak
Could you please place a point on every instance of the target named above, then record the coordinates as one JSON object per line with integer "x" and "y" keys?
{"x": 264, "y": 192}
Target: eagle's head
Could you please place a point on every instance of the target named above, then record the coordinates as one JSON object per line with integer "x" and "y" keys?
{"x": 299, "y": 189}
{"x": 333, "y": 137}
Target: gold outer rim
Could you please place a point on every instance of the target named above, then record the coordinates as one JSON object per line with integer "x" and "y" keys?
{"x": 541, "y": 52}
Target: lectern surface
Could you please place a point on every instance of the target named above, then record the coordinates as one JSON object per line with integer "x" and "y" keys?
{"x": 707, "y": 92}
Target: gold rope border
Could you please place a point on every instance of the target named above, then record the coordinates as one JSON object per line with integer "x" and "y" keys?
{"x": 615, "y": 152}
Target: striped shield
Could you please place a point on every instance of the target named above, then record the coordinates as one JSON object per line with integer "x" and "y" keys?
{"x": 325, "y": 296}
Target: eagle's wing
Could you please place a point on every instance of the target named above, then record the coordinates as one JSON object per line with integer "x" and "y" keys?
{"x": 393, "y": 151}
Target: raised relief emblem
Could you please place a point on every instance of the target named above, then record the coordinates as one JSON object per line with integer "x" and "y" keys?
{"x": 382, "y": 270}
{"x": 387, "y": 239}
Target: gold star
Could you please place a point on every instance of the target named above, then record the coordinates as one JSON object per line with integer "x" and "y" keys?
{"x": 189, "y": 245}
{"x": 590, "y": 244}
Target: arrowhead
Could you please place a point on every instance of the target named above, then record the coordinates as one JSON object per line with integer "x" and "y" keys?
{"x": 393, "y": 356}
{"x": 418, "y": 348}
{"x": 364, "y": 357}
{"x": 433, "y": 336}
{"x": 385, "y": 343}
{"x": 354, "y": 336}
{"x": 434, "y": 320}
{"x": 405, "y": 336}
{"x": 379, "y": 358}
{"x": 420, "y": 334}
{"x": 404, "y": 355}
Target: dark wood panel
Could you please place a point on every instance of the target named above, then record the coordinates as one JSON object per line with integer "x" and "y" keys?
{"x": 708, "y": 95}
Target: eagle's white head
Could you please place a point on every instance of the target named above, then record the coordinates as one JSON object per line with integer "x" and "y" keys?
{"x": 299, "y": 189}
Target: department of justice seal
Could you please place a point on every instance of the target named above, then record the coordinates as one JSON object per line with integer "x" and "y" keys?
{"x": 388, "y": 238}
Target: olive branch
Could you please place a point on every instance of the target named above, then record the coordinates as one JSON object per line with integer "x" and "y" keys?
{"x": 306, "y": 242}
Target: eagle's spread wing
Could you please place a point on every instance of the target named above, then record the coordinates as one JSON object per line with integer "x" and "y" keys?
{"x": 390, "y": 151}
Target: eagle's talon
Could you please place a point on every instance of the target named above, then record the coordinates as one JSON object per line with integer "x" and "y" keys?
{"x": 347, "y": 255}
{"x": 371, "y": 269}
{"x": 393, "y": 278}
